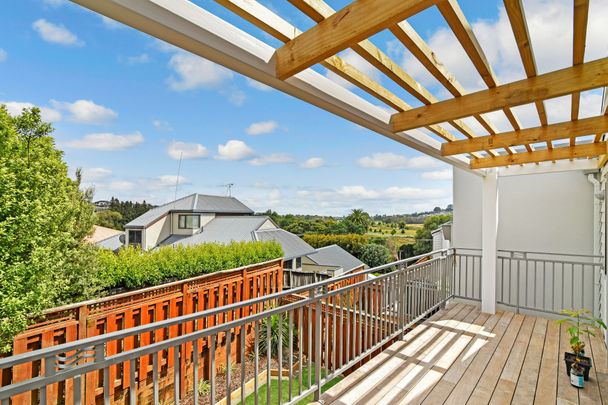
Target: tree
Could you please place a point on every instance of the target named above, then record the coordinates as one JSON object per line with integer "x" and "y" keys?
{"x": 423, "y": 238}
{"x": 375, "y": 255}
{"x": 358, "y": 221}
{"x": 109, "y": 219}
{"x": 43, "y": 218}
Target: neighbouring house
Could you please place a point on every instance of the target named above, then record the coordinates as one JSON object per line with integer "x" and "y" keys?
{"x": 199, "y": 218}
{"x": 442, "y": 236}
{"x": 107, "y": 238}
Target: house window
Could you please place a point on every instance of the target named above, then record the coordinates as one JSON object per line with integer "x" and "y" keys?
{"x": 189, "y": 221}
{"x": 288, "y": 264}
{"x": 299, "y": 263}
{"x": 135, "y": 238}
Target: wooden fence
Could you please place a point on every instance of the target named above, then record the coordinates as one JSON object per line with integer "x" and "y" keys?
{"x": 93, "y": 318}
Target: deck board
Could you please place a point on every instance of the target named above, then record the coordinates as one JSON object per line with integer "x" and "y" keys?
{"x": 461, "y": 355}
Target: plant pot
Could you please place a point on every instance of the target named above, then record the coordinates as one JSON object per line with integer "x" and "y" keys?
{"x": 577, "y": 378}
{"x": 584, "y": 362}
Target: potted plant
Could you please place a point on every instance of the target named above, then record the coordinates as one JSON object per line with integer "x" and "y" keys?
{"x": 579, "y": 322}
{"x": 577, "y": 374}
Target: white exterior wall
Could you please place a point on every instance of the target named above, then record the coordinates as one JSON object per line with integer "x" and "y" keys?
{"x": 156, "y": 233}
{"x": 205, "y": 218}
{"x": 550, "y": 212}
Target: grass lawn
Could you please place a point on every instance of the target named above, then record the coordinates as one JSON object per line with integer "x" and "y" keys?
{"x": 274, "y": 389}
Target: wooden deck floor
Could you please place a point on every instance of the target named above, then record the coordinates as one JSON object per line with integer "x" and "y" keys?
{"x": 462, "y": 356}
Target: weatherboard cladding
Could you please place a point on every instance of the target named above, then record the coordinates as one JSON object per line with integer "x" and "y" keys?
{"x": 334, "y": 255}
{"x": 192, "y": 203}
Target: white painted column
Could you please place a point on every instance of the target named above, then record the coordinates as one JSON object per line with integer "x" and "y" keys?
{"x": 489, "y": 234}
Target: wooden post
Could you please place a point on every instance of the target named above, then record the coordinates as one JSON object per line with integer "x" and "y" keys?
{"x": 489, "y": 234}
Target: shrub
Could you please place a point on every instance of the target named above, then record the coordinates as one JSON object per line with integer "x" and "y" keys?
{"x": 275, "y": 321}
{"x": 204, "y": 388}
{"x": 375, "y": 255}
{"x": 132, "y": 268}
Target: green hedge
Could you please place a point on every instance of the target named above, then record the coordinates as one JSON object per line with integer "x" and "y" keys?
{"x": 132, "y": 268}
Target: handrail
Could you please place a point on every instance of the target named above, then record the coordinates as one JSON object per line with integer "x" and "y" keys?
{"x": 533, "y": 252}
{"x": 95, "y": 340}
{"x": 380, "y": 308}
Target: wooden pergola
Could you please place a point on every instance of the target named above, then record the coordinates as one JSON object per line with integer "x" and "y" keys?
{"x": 288, "y": 68}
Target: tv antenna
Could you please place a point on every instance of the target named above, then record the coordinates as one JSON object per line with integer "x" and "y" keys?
{"x": 179, "y": 169}
{"x": 229, "y": 188}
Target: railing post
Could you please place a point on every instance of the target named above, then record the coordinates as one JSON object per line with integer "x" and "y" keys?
{"x": 318, "y": 349}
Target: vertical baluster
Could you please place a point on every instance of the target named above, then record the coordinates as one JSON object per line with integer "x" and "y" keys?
{"x": 229, "y": 366}
{"x": 212, "y": 367}
{"x": 243, "y": 362}
{"x": 256, "y": 359}
{"x": 155, "y": 377}
{"x": 325, "y": 334}
{"x": 360, "y": 324}
{"x": 318, "y": 353}
{"x": 268, "y": 358}
{"x": 290, "y": 321}
{"x": 176, "y": 374}
{"x": 372, "y": 318}
{"x": 341, "y": 342}
{"x": 280, "y": 357}
{"x": 311, "y": 294}
{"x": 365, "y": 334}
{"x": 354, "y": 343}
{"x": 334, "y": 330}
{"x": 300, "y": 347}
{"x": 77, "y": 387}
{"x": 195, "y": 353}
{"x": 348, "y": 331}
{"x": 571, "y": 285}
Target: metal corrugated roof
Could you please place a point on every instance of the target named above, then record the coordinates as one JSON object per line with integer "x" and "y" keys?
{"x": 293, "y": 246}
{"x": 334, "y": 255}
{"x": 196, "y": 203}
{"x": 246, "y": 229}
{"x": 225, "y": 230}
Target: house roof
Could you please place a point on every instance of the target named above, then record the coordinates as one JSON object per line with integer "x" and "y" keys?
{"x": 244, "y": 229}
{"x": 293, "y": 246}
{"x": 113, "y": 242}
{"x": 101, "y": 233}
{"x": 193, "y": 203}
{"x": 334, "y": 255}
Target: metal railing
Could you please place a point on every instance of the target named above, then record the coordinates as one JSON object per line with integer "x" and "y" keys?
{"x": 327, "y": 328}
{"x": 537, "y": 281}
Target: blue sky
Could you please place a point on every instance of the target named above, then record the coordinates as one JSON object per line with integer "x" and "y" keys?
{"x": 125, "y": 106}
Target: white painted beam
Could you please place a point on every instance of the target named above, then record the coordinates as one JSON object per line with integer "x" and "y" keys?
{"x": 549, "y": 167}
{"x": 196, "y": 30}
{"x": 489, "y": 235}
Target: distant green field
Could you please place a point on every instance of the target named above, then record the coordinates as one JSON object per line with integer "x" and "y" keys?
{"x": 386, "y": 230}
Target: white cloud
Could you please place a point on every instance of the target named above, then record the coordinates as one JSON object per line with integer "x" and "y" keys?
{"x": 234, "y": 150}
{"x": 257, "y": 85}
{"x": 120, "y": 185}
{"x": 169, "y": 180}
{"x": 186, "y": 150}
{"x": 271, "y": 159}
{"x": 92, "y": 174}
{"x": 313, "y": 163}
{"x": 138, "y": 59}
{"x": 393, "y": 161}
{"x": 110, "y": 23}
{"x": 16, "y": 107}
{"x": 55, "y": 3}
{"x": 445, "y": 174}
{"x": 236, "y": 97}
{"x": 161, "y": 125}
{"x": 56, "y": 34}
{"x": 194, "y": 72}
{"x": 86, "y": 111}
{"x": 3, "y": 55}
{"x": 107, "y": 141}
{"x": 262, "y": 127}
{"x": 358, "y": 192}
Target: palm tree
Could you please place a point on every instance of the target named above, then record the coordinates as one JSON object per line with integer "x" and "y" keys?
{"x": 359, "y": 217}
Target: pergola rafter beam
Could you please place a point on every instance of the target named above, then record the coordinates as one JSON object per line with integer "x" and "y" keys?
{"x": 563, "y": 130}
{"x": 517, "y": 18}
{"x": 590, "y": 75}
{"x": 318, "y": 10}
{"x": 568, "y": 152}
{"x": 450, "y": 9}
{"x": 354, "y": 23}
{"x": 579, "y": 30}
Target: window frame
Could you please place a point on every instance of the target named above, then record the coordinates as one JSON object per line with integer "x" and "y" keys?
{"x": 141, "y": 237}
{"x": 185, "y": 225}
